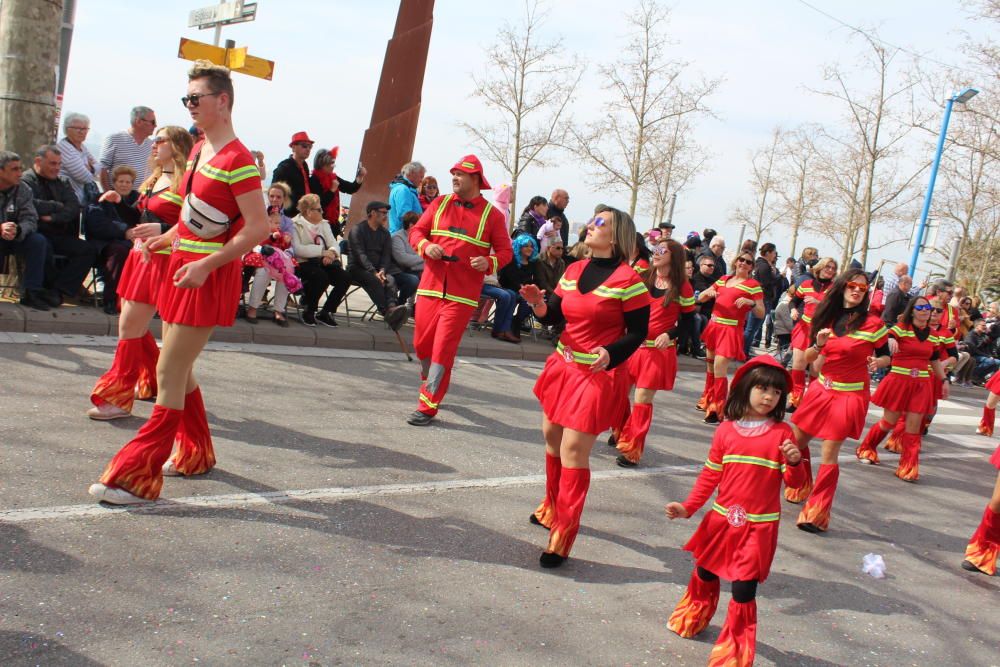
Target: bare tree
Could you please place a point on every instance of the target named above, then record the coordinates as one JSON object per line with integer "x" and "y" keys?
{"x": 646, "y": 90}
{"x": 796, "y": 181}
{"x": 676, "y": 158}
{"x": 528, "y": 83}
{"x": 758, "y": 216}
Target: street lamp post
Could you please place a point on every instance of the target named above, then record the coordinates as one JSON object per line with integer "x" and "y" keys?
{"x": 961, "y": 98}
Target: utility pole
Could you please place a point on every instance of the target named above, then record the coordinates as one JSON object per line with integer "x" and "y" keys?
{"x": 29, "y": 49}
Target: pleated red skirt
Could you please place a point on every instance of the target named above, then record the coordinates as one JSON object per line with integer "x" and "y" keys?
{"x": 832, "y": 415}
{"x": 737, "y": 554}
{"x": 724, "y": 340}
{"x": 650, "y": 368}
{"x": 141, "y": 280}
{"x": 575, "y": 397}
{"x": 993, "y": 385}
{"x": 801, "y": 332}
{"x": 211, "y": 305}
{"x": 902, "y": 393}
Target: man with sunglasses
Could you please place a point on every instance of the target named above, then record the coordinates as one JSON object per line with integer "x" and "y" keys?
{"x": 294, "y": 171}
{"x": 131, "y": 146}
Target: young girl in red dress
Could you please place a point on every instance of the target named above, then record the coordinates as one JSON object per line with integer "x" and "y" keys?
{"x": 583, "y": 388}
{"x": 735, "y": 295}
{"x": 653, "y": 367}
{"x": 133, "y": 371}
{"x": 848, "y": 344}
{"x": 909, "y": 387}
{"x": 223, "y": 218}
{"x": 752, "y": 452}
{"x": 807, "y": 296}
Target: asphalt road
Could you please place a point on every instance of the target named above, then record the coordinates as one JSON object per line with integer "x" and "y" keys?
{"x": 333, "y": 533}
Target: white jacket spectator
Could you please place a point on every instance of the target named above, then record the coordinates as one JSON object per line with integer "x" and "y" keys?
{"x": 78, "y": 165}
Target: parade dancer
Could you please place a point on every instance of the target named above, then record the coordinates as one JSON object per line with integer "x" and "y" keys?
{"x": 990, "y": 408}
{"x": 133, "y": 372}
{"x": 908, "y": 389}
{"x": 583, "y": 388}
{"x": 752, "y": 452}
{"x": 653, "y": 367}
{"x": 981, "y": 554}
{"x": 454, "y": 237}
{"x": 848, "y": 343}
{"x": 807, "y": 296}
{"x": 735, "y": 295}
{"x": 222, "y": 219}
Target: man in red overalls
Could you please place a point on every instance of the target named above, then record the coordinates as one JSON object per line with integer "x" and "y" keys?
{"x": 454, "y": 236}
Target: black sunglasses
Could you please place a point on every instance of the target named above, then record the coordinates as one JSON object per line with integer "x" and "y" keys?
{"x": 194, "y": 99}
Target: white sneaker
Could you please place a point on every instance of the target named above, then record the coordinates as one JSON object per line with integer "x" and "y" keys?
{"x": 114, "y": 496}
{"x": 169, "y": 470}
{"x": 106, "y": 412}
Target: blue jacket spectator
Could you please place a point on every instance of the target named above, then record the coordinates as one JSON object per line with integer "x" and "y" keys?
{"x": 403, "y": 195}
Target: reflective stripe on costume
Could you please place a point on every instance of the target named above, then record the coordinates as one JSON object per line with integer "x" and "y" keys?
{"x": 902, "y": 333}
{"x": 840, "y": 386}
{"x": 870, "y": 336}
{"x": 620, "y": 293}
{"x": 685, "y": 302}
{"x": 229, "y": 177}
{"x": 913, "y": 372}
{"x": 199, "y": 247}
{"x": 749, "y": 290}
{"x": 807, "y": 319}
{"x": 753, "y": 460}
{"x": 477, "y": 241}
{"x": 752, "y": 518}
{"x": 725, "y": 320}
{"x": 428, "y": 402}
{"x": 712, "y": 465}
{"x": 171, "y": 197}
{"x": 447, "y": 297}
{"x": 578, "y": 357}
{"x": 652, "y": 343}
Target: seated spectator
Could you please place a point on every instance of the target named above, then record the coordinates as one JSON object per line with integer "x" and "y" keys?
{"x": 106, "y": 226}
{"x": 505, "y": 302}
{"x": 532, "y": 218}
{"x": 325, "y": 182}
{"x": 520, "y": 272}
{"x": 319, "y": 267}
{"x": 407, "y": 266}
{"x": 403, "y": 196}
{"x": 965, "y": 318}
{"x": 978, "y": 345}
{"x": 280, "y": 238}
{"x": 78, "y": 165}
{"x": 371, "y": 261}
{"x": 59, "y": 222}
{"x": 550, "y": 268}
{"x": 548, "y": 233}
{"x": 18, "y": 235}
{"x": 428, "y": 191}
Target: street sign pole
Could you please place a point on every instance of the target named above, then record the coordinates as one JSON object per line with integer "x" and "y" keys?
{"x": 218, "y": 29}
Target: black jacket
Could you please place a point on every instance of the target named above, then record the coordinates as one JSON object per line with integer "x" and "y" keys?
{"x": 513, "y": 277}
{"x": 720, "y": 264}
{"x": 109, "y": 222}
{"x": 895, "y": 304}
{"x": 527, "y": 224}
{"x": 54, "y": 198}
{"x": 978, "y": 345}
{"x": 288, "y": 171}
{"x": 370, "y": 249}
{"x": 17, "y": 204}
{"x": 700, "y": 283}
{"x": 769, "y": 279}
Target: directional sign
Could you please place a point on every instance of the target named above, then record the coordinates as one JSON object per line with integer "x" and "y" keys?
{"x": 238, "y": 60}
{"x": 222, "y": 14}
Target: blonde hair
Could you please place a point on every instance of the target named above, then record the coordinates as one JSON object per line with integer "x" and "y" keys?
{"x": 307, "y": 201}
{"x": 622, "y": 234}
{"x": 181, "y": 142}
{"x": 217, "y": 77}
{"x": 821, "y": 264}
{"x": 284, "y": 187}
{"x": 123, "y": 169}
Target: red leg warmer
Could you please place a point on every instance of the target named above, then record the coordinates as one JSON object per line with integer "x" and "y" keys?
{"x": 138, "y": 466}
{"x": 737, "y": 643}
{"x": 573, "y": 486}
{"x": 895, "y": 441}
{"x": 800, "y": 494}
{"x": 986, "y": 423}
{"x": 117, "y": 386}
{"x": 145, "y": 388}
{"x": 908, "y": 469}
{"x": 798, "y": 387}
{"x": 695, "y": 610}
{"x": 706, "y": 394}
{"x": 817, "y": 508}
{"x": 632, "y": 440}
{"x": 546, "y": 511}
{"x": 985, "y": 543}
{"x": 195, "y": 454}
{"x": 868, "y": 449}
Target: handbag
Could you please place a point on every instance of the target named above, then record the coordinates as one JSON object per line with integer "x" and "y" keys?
{"x": 201, "y": 218}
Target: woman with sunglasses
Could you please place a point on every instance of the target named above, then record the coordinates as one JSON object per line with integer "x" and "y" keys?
{"x": 908, "y": 389}
{"x": 653, "y": 367}
{"x": 808, "y": 295}
{"x": 133, "y": 371}
{"x": 200, "y": 291}
{"x": 640, "y": 256}
{"x": 583, "y": 388}
{"x": 848, "y": 343}
{"x": 735, "y": 295}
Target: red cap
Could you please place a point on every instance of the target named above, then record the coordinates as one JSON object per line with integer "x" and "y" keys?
{"x": 470, "y": 164}
{"x": 300, "y": 136}
{"x": 763, "y": 360}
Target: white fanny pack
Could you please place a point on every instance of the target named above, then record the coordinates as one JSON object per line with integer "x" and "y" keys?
{"x": 201, "y": 218}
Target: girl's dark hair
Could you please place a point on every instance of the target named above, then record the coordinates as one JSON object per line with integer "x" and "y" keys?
{"x": 641, "y": 251}
{"x": 906, "y": 317}
{"x": 677, "y": 274}
{"x": 738, "y": 403}
{"x": 533, "y": 202}
{"x": 831, "y": 307}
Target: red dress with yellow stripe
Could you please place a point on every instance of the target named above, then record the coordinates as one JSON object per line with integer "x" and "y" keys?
{"x": 141, "y": 278}
{"x": 230, "y": 173}
{"x": 724, "y": 334}
{"x": 652, "y": 368}
{"x": 737, "y": 538}
{"x": 802, "y": 330}
{"x": 571, "y": 394}
{"x": 835, "y": 407}
{"x": 909, "y": 385}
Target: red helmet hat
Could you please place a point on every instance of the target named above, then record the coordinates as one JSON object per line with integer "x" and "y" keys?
{"x": 470, "y": 164}
{"x": 300, "y": 136}
{"x": 762, "y": 360}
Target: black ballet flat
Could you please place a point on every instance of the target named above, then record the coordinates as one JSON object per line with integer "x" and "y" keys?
{"x": 624, "y": 462}
{"x": 534, "y": 519}
{"x": 550, "y": 560}
{"x": 711, "y": 418}
{"x": 611, "y": 441}
{"x": 967, "y": 565}
{"x": 809, "y": 528}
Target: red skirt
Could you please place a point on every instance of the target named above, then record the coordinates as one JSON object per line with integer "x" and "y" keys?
{"x": 724, "y": 340}
{"x": 650, "y": 368}
{"x": 575, "y": 397}
{"x": 800, "y": 335}
{"x": 736, "y": 554}
{"x": 141, "y": 280}
{"x": 995, "y": 459}
{"x": 902, "y": 393}
{"x": 937, "y": 388}
{"x": 993, "y": 386}
{"x": 832, "y": 415}
{"x": 211, "y": 305}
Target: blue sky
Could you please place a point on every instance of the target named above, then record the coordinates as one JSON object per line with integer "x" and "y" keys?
{"x": 329, "y": 54}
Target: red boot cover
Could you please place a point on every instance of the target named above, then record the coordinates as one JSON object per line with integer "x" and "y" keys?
{"x": 985, "y": 543}
{"x": 633, "y": 436}
{"x": 696, "y": 609}
{"x": 895, "y": 441}
{"x": 798, "y": 386}
{"x": 737, "y": 643}
{"x": 817, "y": 508}
{"x": 717, "y": 400}
{"x": 573, "y": 486}
{"x": 706, "y": 393}
{"x": 145, "y": 387}
{"x": 117, "y": 386}
{"x": 986, "y": 423}
{"x": 800, "y": 494}
{"x": 195, "y": 454}
{"x": 909, "y": 461}
{"x": 616, "y": 430}
{"x": 138, "y": 466}
{"x": 546, "y": 511}
{"x": 868, "y": 450}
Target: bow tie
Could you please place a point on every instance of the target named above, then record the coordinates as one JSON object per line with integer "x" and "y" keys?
{"x": 464, "y": 204}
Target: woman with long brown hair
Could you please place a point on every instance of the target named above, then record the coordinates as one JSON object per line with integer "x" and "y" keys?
{"x": 133, "y": 371}
{"x": 806, "y": 298}
{"x": 653, "y": 367}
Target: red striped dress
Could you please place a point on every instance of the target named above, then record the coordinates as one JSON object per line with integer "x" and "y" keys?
{"x": 724, "y": 334}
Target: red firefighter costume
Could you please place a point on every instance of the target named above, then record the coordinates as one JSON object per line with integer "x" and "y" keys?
{"x": 449, "y": 291}
{"x": 801, "y": 332}
{"x": 724, "y": 334}
{"x": 133, "y": 372}
{"x": 981, "y": 553}
{"x": 138, "y": 466}
{"x": 737, "y": 537}
{"x": 652, "y": 368}
{"x": 835, "y": 406}
{"x": 573, "y": 396}
{"x": 989, "y": 414}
